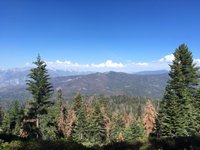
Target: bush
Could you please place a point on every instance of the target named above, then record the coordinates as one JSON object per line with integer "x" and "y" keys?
{"x": 14, "y": 145}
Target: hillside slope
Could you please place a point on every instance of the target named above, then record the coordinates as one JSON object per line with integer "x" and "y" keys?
{"x": 111, "y": 83}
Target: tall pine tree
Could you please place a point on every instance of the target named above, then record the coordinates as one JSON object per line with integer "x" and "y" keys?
{"x": 177, "y": 116}
{"x": 41, "y": 90}
{"x": 79, "y": 130}
{"x": 96, "y": 126}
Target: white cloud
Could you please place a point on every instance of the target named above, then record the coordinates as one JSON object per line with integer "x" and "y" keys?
{"x": 142, "y": 64}
{"x": 197, "y": 60}
{"x": 167, "y": 58}
{"x": 73, "y": 66}
{"x": 108, "y": 64}
{"x": 65, "y": 65}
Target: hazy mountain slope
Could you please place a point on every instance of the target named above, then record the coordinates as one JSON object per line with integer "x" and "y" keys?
{"x": 111, "y": 83}
{"x": 18, "y": 76}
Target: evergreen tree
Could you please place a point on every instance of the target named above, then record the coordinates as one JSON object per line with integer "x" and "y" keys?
{"x": 79, "y": 130}
{"x": 59, "y": 99}
{"x": 96, "y": 126}
{"x": 139, "y": 111}
{"x": 117, "y": 128}
{"x": 77, "y": 103}
{"x": 77, "y": 108}
{"x": 48, "y": 124}
{"x": 52, "y": 124}
{"x": 134, "y": 132}
{"x": 177, "y": 116}
{"x": 12, "y": 119}
{"x": 41, "y": 90}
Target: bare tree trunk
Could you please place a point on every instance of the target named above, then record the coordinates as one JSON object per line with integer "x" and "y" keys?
{"x": 37, "y": 125}
{"x": 37, "y": 121}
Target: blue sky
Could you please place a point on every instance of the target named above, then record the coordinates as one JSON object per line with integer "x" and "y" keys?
{"x": 124, "y": 35}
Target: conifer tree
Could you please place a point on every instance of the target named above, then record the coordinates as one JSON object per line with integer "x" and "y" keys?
{"x": 48, "y": 124}
{"x": 177, "y": 116}
{"x": 12, "y": 119}
{"x": 60, "y": 113}
{"x": 107, "y": 120}
{"x": 75, "y": 120}
{"x": 134, "y": 132}
{"x": 69, "y": 123}
{"x": 96, "y": 126}
{"x": 79, "y": 130}
{"x": 77, "y": 103}
{"x": 53, "y": 123}
{"x": 149, "y": 117}
{"x": 41, "y": 90}
{"x": 118, "y": 126}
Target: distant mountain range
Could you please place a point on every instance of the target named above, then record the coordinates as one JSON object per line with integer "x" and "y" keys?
{"x": 18, "y": 76}
{"x": 147, "y": 83}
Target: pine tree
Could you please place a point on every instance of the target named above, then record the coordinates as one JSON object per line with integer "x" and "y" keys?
{"x": 96, "y": 126}
{"x": 12, "y": 119}
{"x": 48, "y": 124}
{"x": 177, "y": 116}
{"x": 107, "y": 121}
{"x": 149, "y": 117}
{"x": 79, "y": 130}
{"x": 74, "y": 119}
{"x": 60, "y": 113}
{"x": 118, "y": 126}
{"x": 134, "y": 132}
{"x": 41, "y": 90}
{"x": 77, "y": 103}
{"x": 139, "y": 111}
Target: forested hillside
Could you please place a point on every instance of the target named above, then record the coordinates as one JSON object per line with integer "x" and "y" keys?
{"x": 110, "y": 84}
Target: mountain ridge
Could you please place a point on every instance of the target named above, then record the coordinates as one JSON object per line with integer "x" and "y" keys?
{"x": 109, "y": 83}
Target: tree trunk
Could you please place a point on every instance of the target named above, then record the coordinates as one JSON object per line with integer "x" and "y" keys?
{"x": 37, "y": 126}
{"x": 37, "y": 121}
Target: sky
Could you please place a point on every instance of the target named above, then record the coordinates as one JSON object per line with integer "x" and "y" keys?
{"x": 97, "y": 35}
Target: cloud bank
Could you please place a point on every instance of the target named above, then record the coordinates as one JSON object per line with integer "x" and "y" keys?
{"x": 110, "y": 65}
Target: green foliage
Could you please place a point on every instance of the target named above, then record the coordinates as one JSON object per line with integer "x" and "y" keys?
{"x": 13, "y": 145}
{"x": 134, "y": 132}
{"x": 80, "y": 127}
{"x": 12, "y": 119}
{"x": 39, "y": 86}
{"x": 197, "y": 106}
{"x": 41, "y": 90}
{"x": 96, "y": 126}
{"x": 48, "y": 125}
{"x": 118, "y": 126}
{"x": 177, "y": 116}
{"x": 77, "y": 103}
